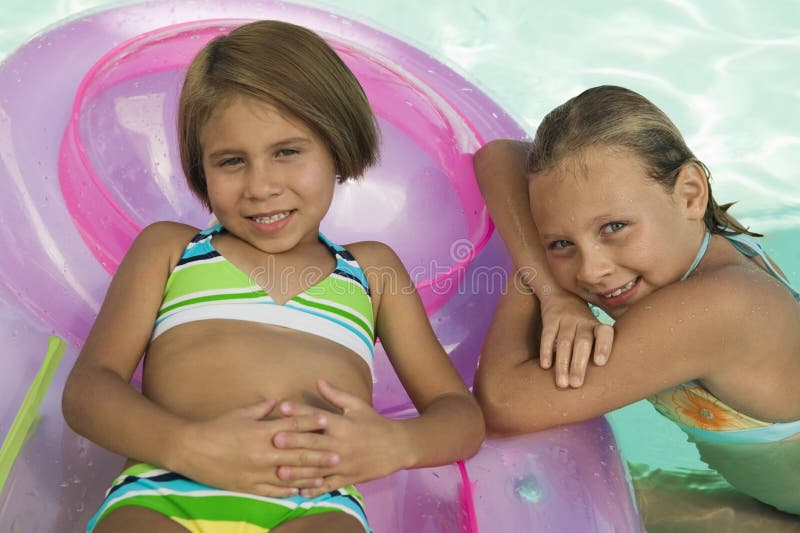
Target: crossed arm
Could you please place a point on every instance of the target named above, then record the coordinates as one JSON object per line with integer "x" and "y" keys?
{"x": 569, "y": 332}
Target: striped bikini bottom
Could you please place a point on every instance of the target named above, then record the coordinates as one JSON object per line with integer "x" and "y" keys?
{"x": 204, "y": 509}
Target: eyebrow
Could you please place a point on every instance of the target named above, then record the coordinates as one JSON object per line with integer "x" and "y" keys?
{"x": 283, "y": 142}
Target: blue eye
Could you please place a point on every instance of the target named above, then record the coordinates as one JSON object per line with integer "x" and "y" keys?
{"x": 613, "y": 227}
{"x": 285, "y": 152}
{"x": 559, "y": 244}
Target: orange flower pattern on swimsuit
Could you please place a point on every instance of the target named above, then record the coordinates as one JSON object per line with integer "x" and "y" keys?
{"x": 692, "y": 405}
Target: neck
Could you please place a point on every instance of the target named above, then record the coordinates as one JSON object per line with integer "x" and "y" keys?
{"x": 701, "y": 252}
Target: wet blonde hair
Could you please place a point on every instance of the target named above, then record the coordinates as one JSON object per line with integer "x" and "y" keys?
{"x": 617, "y": 117}
{"x": 294, "y": 70}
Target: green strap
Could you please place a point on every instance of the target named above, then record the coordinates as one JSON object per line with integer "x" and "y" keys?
{"x": 27, "y": 416}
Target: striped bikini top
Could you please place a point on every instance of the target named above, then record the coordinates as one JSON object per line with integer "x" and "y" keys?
{"x": 702, "y": 415}
{"x": 205, "y": 285}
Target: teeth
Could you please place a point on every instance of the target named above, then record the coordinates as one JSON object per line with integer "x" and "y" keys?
{"x": 622, "y": 289}
{"x": 273, "y": 218}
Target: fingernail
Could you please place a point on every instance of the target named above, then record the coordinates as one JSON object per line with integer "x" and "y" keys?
{"x": 576, "y": 382}
{"x": 322, "y": 420}
{"x": 295, "y": 492}
{"x": 333, "y": 460}
{"x": 318, "y": 482}
{"x": 286, "y": 407}
{"x": 562, "y": 382}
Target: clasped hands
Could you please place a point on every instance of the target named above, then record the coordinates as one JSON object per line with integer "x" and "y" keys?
{"x": 306, "y": 451}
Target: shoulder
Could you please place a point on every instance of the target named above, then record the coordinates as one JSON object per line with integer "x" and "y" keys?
{"x": 759, "y": 308}
{"x": 166, "y": 232}
{"x": 714, "y": 300}
{"x": 163, "y": 240}
{"x": 739, "y": 289}
{"x": 385, "y": 272}
{"x": 374, "y": 255}
{"x": 725, "y": 313}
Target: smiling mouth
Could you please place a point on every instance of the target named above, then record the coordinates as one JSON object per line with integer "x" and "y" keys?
{"x": 622, "y": 290}
{"x": 272, "y": 218}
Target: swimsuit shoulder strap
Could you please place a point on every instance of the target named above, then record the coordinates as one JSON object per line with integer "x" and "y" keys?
{"x": 346, "y": 264}
{"x": 749, "y": 246}
{"x": 200, "y": 246}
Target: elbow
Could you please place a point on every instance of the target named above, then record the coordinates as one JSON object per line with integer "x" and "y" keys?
{"x": 496, "y": 415}
{"x": 478, "y": 434}
{"x": 499, "y": 149}
{"x": 475, "y": 432}
{"x": 73, "y": 401}
{"x": 487, "y": 150}
{"x": 494, "y": 405}
{"x": 70, "y": 403}
{"x": 485, "y": 154}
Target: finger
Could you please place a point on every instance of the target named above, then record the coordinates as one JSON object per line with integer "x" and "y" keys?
{"x": 308, "y": 458}
{"x": 256, "y": 411}
{"x": 563, "y": 356}
{"x": 274, "y": 491}
{"x": 339, "y": 398}
{"x": 603, "y": 340}
{"x": 300, "y": 423}
{"x": 312, "y": 476}
{"x": 581, "y": 351}
{"x": 546, "y": 345}
{"x": 289, "y": 408}
{"x": 309, "y": 441}
{"x": 331, "y": 483}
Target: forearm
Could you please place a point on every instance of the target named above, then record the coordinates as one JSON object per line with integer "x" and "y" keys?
{"x": 101, "y": 406}
{"x": 501, "y": 172}
{"x": 450, "y": 429}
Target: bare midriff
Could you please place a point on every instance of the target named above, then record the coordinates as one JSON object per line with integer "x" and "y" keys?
{"x": 203, "y": 369}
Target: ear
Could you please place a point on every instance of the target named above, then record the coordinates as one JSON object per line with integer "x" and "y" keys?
{"x": 691, "y": 191}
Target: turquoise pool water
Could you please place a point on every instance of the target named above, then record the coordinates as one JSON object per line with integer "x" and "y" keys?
{"x": 725, "y": 71}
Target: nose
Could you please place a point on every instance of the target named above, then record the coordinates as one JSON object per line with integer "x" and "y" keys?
{"x": 262, "y": 181}
{"x": 595, "y": 264}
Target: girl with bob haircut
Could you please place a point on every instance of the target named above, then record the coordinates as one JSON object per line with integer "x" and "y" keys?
{"x": 610, "y": 204}
{"x": 258, "y": 332}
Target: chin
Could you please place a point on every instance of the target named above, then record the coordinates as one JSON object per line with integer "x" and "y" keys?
{"x": 616, "y": 312}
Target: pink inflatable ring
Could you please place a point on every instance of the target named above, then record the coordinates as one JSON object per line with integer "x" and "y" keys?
{"x": 88, "y": 157}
